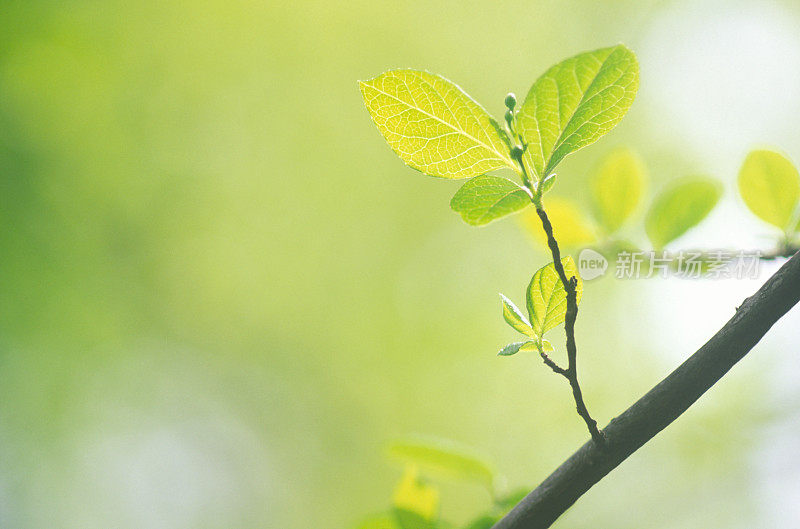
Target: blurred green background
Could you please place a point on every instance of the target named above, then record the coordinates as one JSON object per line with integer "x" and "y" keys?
{"x": 221, "y": 294}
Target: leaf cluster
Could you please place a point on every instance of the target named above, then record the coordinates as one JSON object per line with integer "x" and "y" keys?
{"x": 436, "y": 128}
{"x": 546, "y": 301}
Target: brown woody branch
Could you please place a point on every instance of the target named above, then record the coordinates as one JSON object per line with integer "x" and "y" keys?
{"x": 571, "y": 372}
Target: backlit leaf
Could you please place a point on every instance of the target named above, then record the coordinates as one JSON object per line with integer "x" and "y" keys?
{"x": 548, "y": 183}
{"x": 433, "y": 125}
{"x": 680, "y": 207}
{"x": 445, "y": 459}
{"x": 547, "y": 299}
{"x": 514, "y": 317}
{"x": 486, "y": 198}
{"x": 770, "y": 186}
{"x": 576, "y": 102}
{"x": 617, "y": 188}
{"x": 531, "y": 347}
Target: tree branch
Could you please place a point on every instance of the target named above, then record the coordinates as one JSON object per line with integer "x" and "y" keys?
{"x": 661, "y": 405}
{"x": 570, "y": 286}
{"x": 552, "y": 365}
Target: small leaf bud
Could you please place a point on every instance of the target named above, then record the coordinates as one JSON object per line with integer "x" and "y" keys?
{"x": 511, "y": 101}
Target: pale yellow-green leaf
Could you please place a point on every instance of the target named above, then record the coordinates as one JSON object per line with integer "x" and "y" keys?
{"x": 576, "y": 102}
{"x": 515, "y": 318}
{"x": 570, "y": 225}
{"x": 433, "y": 125}
{"x": 486, "y": 198}
{"x": 680, "y": 207}
{"x": 617, "y": 189}
{"x": 770, "y": 186}
{"x": 512, "y": 349}
{"x": 443, "y": 458}
{"x": 547, "y": 347}
{"x": 415, "y": 496}
{"x": 547, "y": 299}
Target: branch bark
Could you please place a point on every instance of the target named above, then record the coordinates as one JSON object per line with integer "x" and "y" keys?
{"x": 570, "y": 286}
{"x": 661, "y": 405}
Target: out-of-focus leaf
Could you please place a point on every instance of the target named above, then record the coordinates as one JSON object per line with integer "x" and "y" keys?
{"x": 770, "y": 186}
{"x": 502, "y": 506}
{"x": 380, "y": 521}
{"x": 617, "y": 189}
{"x": 576, "y": 102}
{"x": 444, "y": 459}
{"x": 433, "y": 125}
{"x": 485, "y": 521}
{"x": 486, "y": 198}
{"x": 413, "y": 495}
{"x": 515, "y": 318}
{"x": 412, "y": 520}
{"x": 547, "y": 299}
{"x": 570, "y": 226}
{"x": 680, "y": 207}
{"x": 507, "y": 502}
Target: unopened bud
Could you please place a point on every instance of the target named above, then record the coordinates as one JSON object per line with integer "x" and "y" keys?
{"x": 511, "y": 101}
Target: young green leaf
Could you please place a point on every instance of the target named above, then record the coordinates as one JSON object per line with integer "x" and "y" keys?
{"x": 531, "y": 347}
{"x": 617, "y": 188}
{"x": 444, "y": 459}
{"x": 575, "y": 103}
{"x": 486, "y": 198}
{"x": 433, "y": 125}
{"x": 515, "y": 318}
{"x": 770, "y": 186}
{"x": 527, "y": 347}
{"x": 681, "y": 207}
{"x": 547, "y": 299}
{"x": 512, "y": 348}
{"x": 548, "y": 183}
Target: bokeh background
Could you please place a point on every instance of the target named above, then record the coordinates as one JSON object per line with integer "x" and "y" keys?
{"x": 221, "y": 294}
